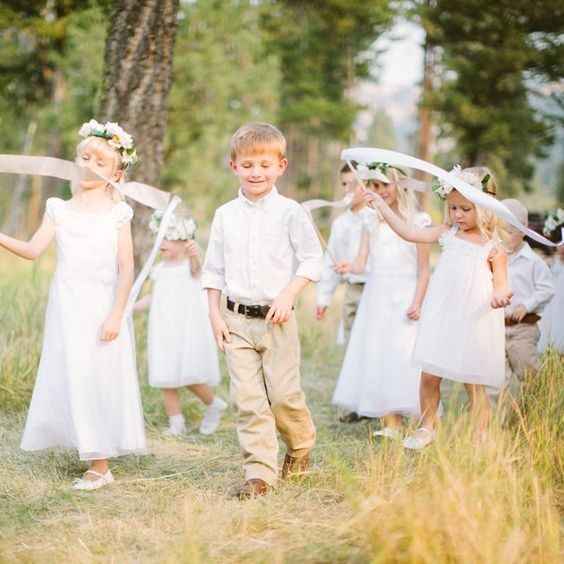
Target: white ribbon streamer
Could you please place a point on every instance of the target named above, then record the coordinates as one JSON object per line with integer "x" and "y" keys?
{"x": 143, "y": 193}
{"x": 479, "y": 198}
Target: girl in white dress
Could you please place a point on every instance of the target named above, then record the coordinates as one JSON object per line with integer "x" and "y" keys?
{"x": 552, "y": 321}
{"x": 86, "y": 395}
{"x": 461, "y": 332}
{"x": 181, "y": 347}
{"x": 378, "y": 377}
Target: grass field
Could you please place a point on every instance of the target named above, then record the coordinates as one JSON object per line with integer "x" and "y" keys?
{"x": 500, "y": 502}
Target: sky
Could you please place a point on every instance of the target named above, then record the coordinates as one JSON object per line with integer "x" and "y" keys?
{"x": 395, "y": 88}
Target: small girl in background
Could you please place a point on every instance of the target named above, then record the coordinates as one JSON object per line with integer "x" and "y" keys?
{"x": 552, "y": 322}
{"x": 461, "y": 333}
{"x": 181, "y": 347}
{"x": 86, "y": 394}
{"x": 378, "y": 378}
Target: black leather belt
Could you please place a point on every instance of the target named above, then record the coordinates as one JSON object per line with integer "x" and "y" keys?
{"x": 255, "y": 311}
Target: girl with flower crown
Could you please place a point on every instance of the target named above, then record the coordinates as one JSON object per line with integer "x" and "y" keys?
{"x": 378, "y": 378}
{"x": 461, "y": 330}
{"x": 86, "y": 395}
{"x": 181, "y": 347}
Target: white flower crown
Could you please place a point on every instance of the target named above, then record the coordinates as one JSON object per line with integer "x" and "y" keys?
{"x": 178, "y": 229}
{"x": 372, "y": 172}
{"x": 553, "y": 220}
{"x": 442, "y": 188}
{"x": 117, "y": 138}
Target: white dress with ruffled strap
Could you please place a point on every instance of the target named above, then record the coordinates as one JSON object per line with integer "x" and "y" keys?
{"x": 86, "y": 395}
{"x": 379, "y": 376}
{"x": 461, "y": 337}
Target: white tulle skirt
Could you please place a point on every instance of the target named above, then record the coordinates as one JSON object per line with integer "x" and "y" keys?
{"x": 378, "y": 376}
{"x": 181, "y": 347}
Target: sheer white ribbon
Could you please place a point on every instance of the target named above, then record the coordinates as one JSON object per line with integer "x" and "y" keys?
{"x": 144, "y": 194}
{"x": 369, "y": 155}
{"x": 310, "y": 205}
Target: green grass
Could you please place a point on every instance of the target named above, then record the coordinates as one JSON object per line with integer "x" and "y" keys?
{"x": 363, "y": 502}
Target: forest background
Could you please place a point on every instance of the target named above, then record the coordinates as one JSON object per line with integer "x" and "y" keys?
{"x": 490, "y": 89}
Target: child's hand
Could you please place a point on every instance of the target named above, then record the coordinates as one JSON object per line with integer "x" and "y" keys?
{"x": 281, "y": 308}
{"x": 320, "y": 312}
{"x": 414, "y": 312}
{"x": 343, "y": 267}
{"x": 501, "y": 298}
{"x": 220, "y": 331}
{"x": 373, "y": 200}
{"x": 518, "y": 313}
{"x": 111, "y": 327}
{"x": 192, "y": 249}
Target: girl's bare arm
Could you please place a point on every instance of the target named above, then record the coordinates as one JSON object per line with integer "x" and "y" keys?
{"x": 33, "y": 248}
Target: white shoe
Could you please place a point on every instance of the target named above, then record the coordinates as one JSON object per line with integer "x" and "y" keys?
{"x": 388, "y": 433}
{"x": 420, "y": 439}
{"x": 101, "y": 481}
{"x": 175, "y": 430}
{"x": 212, "y": 417}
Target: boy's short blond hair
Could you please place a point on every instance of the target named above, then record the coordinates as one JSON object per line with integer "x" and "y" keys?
{"x": 257, "y": 138}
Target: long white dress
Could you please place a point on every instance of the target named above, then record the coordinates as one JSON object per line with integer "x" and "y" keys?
{"x": 552, "y": 321}
{"x": 86, "y": 395}
{"x": 378, "y": 376}
{"x": 460, "y": 336}
{"x": 181, "y": 346}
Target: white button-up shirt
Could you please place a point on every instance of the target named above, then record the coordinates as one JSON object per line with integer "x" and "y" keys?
{"x": 343, "y": 244}
{"x": 257, "y": 248}
{"x": 530, "y": 280}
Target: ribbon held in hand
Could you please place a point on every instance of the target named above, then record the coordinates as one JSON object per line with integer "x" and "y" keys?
{"x": 477, "y": 197}
{"x": 69, "y": 171}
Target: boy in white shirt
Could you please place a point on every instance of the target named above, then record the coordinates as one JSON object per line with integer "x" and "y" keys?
{"x": 343, "y": 246}
{"x": 263, "y": 251}
{"x": 530, "y": 280}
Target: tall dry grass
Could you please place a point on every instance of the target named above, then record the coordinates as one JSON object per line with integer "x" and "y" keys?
{"x": 458, "y": 501}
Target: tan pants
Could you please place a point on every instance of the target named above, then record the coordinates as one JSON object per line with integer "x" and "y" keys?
{"x": 264, "y": 366}
{"x": 521, "y": 357}
{"x": 521, "y": 349}
{"x": 353, "y": 293}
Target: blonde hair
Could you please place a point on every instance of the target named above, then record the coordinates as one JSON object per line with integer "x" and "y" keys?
{"x": 257, "y": 138}
{"x": 103, "y": 144}
{"x": 407, "y": 201}
{"x": 486, "y": 221}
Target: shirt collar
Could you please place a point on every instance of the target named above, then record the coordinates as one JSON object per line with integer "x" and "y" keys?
{"x": 524, "y": 252}
{"x": 263, "y": 202}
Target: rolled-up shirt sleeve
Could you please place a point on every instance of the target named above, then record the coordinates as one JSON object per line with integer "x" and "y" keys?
{"x": 543, "y": 288}
{"x": 307, "y": 248}
{"x": 213, "y": 271}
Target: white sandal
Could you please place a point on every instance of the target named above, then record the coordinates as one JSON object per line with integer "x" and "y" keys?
{"x": 87, "y": 485}
{"x": 388, "y": 433}
{"x": 420, "y": 439}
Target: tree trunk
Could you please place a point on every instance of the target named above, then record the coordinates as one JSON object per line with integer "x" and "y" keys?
{"x": 425, "y": 133}
{"x": 14, "y": 219}
{"x": 137, "y": 80}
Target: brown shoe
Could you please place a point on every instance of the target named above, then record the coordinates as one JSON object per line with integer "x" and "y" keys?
{"x": 252, "y": 488}
{"x": 294, "y": 467}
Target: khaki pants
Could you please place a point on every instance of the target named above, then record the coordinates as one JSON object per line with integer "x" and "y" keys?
{"x": 521, "y": 356}
{"x": 264, "y": 366}
{"x": 353, "y": 293}
{"x": 521, "y": 353}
